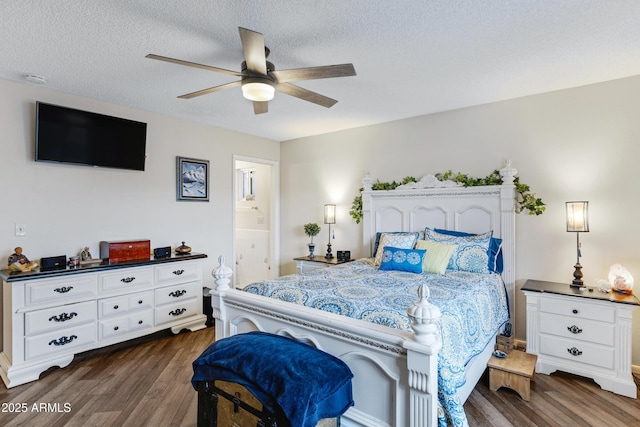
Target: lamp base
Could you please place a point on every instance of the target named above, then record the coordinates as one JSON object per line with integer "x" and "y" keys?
{"x": 577, "y": 276}
{"x": 329, "y": 255}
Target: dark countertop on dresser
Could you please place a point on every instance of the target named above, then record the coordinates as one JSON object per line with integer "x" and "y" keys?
{"x": 585, "y": 292}
{"x": 14, "y": 276}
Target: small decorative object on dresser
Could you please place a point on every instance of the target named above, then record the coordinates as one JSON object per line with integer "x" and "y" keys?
{"x": 183, "y": 249}
{"x": 311, "y": 229}
{"x": 582, "y": 331}
{"x": 19, "y": 262}
{"x": 620, "y": 279}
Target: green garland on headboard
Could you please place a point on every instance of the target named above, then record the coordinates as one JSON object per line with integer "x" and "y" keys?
{"x": 525, "y": 199}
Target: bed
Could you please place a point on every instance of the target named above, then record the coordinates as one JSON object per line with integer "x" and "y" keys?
{"x": 395, "y": 360}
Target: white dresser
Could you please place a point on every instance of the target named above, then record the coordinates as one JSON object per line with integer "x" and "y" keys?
{"x": 48, "y": 317}
{"x": 583, "y": 332}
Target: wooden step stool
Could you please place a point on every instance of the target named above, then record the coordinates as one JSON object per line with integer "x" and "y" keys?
{"x": 514, "y": 371}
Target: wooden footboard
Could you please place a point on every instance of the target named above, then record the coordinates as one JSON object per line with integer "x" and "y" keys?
{"x": 395, "y": 373}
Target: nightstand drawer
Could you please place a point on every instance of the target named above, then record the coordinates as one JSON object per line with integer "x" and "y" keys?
{"x": 574, "y": 308}
{"x": 578, "y": 329}
{"x": 577, "y": 351}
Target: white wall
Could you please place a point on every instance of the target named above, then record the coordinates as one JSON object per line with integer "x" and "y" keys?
{"x": 578, "y": 144}
{"x": 66, "y": 207}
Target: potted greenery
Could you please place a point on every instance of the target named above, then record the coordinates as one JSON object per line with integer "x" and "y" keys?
{"x": 312, "y": 229}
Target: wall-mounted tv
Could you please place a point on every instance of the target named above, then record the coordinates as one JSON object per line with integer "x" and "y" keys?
{"x": 73, "y": 136}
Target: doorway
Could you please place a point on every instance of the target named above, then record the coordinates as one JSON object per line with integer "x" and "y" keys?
{"x": 256, "y": 233}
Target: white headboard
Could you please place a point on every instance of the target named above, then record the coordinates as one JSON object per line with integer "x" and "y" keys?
{"x": 471, "y": 209}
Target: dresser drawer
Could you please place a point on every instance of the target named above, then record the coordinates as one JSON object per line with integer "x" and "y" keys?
{"x": 60, "y": 290}
{"x": 179, "y": 292}
{"x": 122, "y": 325}
{"x": 125, "y": 279}
{"x": 55, "y": 318}
{"x": 583, "y": 352}
{"x": 120, "y": 305}
{"x": 177, "y": 272}
{"x": 574, "y": 308}
{"x": 176, "y": 311}
{"x": 578, "y": 329}
{"x": 66, "y": 340}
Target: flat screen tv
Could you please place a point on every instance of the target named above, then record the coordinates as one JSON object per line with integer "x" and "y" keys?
{"x": 73, "y": 136}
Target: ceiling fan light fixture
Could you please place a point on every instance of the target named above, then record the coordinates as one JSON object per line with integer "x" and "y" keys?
{"x": 258, "y": 89}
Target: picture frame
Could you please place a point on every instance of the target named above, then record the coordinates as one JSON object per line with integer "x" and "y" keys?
{"x": 192, "y": 179}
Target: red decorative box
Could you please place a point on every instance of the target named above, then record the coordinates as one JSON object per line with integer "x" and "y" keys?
{"x": 125, "y": 250}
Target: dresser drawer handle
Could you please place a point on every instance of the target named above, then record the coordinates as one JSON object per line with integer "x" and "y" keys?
{"x": 177, "y": 311}
{"x": 139, "y": 301}
{"x": 127, "y": 279}
{"x": 115, "y": 307}
{"x": 574, "y": 351}
{"x": 63, "y": 290}
{"x": 139, "y": 322}
{"x": 63, "y": 317}
{"x": 178, "y": 272}
{"x": 574, "y": 311}
{"x": 177, "y": 294}
{"x": 116, "y": 328}
{"x": 574, "y": 329}
{"x": 63, "y": 340}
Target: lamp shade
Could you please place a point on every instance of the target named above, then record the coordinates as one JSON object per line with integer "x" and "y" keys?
{"x": 578, "y": 216}
{"x": 329, "y": 214}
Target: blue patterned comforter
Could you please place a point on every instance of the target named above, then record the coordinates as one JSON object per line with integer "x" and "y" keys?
{"x": 474, "y": 306}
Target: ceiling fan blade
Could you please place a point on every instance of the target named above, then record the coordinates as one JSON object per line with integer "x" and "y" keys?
{"x": 260, "y": 107}
{"x": 193, "y": 64}
{"x": 311, "y": 73}
{"x": 306, "y": 94}
{"x": 210, "y": 90}
{"x": 253, "y": 48}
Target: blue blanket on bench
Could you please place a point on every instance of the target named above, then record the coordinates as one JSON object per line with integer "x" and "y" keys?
{"x": 306, "y": 384}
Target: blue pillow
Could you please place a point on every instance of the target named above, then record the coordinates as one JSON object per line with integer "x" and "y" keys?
{"x": 402, "y": 259}
{"x": 495, "y": 249}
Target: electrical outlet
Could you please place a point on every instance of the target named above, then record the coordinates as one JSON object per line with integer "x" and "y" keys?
{"x": 21, "y": 229}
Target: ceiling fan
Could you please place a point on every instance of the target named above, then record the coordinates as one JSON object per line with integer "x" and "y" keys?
{"x": 259, "y": 78}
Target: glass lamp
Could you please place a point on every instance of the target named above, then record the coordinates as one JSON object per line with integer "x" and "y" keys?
{"x": 577, "y": 221}
{"x": 329, "y": 218}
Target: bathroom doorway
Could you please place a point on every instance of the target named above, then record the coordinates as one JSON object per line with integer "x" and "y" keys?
{"x": 256, "y": 234}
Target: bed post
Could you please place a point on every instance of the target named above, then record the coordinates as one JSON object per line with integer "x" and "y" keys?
{"x": 422, "y": 361}
{"x": 508, "y": 230}
{"x": 222, "y": 274}
{"x": 367, "y": 219}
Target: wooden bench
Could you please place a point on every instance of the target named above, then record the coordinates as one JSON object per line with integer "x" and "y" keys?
{"x": 515, "y": 372}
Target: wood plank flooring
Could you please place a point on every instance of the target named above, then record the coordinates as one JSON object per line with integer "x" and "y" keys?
{"x": 147, "y": 383}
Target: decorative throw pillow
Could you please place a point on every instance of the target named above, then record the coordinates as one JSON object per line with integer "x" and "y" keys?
{"x": 376, "y": 244}
{"x": 402, "y": 259}
{"x": 495, "y": 249}
{"x": 397, "y": 240}
{"x": 437, "y": 257}
{"x": 471, "y": 254}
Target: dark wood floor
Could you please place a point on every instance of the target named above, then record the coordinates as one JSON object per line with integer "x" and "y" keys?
{"x": 149, "y": 384}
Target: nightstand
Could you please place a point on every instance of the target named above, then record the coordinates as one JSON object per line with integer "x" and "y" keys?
{"x": 582, "y": 331}
{"x": 305, "y": 264}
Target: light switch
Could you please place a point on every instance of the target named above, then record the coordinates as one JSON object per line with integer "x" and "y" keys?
{"x": 21, "y": 229}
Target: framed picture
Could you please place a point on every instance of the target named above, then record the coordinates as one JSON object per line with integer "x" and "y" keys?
{"x": 193, "y": 179}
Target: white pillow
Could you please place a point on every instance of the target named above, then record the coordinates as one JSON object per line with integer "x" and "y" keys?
{"x": 397, "y": 240}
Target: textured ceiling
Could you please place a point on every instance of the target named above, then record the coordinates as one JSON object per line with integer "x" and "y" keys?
{"x": 411, "y": 57}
